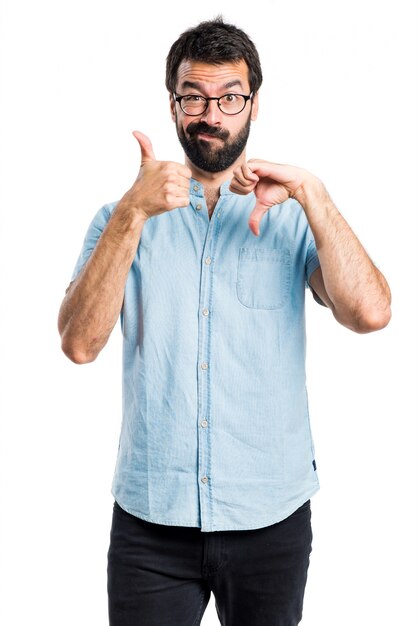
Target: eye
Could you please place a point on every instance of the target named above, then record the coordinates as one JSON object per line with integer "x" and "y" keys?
{"x": 193, "y": 98}
{"x": 229, "y": 98}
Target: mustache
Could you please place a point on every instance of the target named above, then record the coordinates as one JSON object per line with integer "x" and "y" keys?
{"x": 201, "y": 127}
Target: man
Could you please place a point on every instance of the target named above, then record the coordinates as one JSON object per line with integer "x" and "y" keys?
{"x": 207, "y": 264}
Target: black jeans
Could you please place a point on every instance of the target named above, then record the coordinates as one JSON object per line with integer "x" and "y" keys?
{"x": 162, "y": 575}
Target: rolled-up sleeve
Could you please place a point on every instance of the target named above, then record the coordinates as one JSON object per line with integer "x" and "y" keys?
{"x": 94, "y": 231}
{"x": 311, "y": 264}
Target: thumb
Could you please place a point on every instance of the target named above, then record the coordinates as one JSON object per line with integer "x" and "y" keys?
{"x": 147, "y": 153}
{"x": 256, "y": 216}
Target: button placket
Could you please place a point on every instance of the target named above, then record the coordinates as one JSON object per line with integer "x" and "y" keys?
{"x": 204, "y": 375}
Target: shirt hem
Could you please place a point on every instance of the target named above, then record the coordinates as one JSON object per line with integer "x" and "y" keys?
{"x": 214, "y": 527}
{"x": 148, "y": 518}
{"x": 269, "y": 521}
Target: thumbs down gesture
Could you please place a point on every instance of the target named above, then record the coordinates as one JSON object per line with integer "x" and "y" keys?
{"x": 272, "y": 184}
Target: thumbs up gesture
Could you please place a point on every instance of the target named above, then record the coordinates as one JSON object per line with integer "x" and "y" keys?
{"x": 160, "y": 185}
{"x": 272, "y": 184}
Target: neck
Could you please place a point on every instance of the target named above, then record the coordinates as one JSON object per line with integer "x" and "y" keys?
{"x": 214, "y": 180}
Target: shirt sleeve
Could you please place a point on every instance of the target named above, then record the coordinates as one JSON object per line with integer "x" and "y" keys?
{"x": 95, "y": 229}
{"x": 311, "y": 264}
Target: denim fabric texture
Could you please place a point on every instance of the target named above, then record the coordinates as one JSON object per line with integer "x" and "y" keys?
{"x": 215, "y": 427}
{"x": 162, "y": 575}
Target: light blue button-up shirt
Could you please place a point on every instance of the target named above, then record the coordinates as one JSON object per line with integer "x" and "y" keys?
{"x": 216, "y": 430}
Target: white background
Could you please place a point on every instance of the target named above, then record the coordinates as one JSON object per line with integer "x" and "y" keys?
{"x": 339, "y": 98}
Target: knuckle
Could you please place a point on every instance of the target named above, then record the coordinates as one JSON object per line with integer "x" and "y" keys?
{"x": 171, "y": 177}
{"x": 169, "y": 167}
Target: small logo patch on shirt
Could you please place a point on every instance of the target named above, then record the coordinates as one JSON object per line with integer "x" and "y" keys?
{"x": 314, "y": 464}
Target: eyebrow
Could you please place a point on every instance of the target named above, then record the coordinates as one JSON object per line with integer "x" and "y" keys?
{"x": 197, "y": 85}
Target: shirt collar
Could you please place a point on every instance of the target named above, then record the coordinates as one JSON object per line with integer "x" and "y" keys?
{"x": 196, "y": 188}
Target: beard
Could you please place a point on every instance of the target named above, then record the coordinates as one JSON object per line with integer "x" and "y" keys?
{"x": 203, "y": 154}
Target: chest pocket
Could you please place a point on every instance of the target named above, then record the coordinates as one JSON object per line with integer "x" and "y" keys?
{"x": 263, "y": 277}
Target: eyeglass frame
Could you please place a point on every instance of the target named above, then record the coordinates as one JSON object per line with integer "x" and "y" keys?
{"x": 178, "y": 99}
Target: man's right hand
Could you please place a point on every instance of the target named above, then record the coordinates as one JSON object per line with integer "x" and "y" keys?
{"x": 160, "y": 186}
{"x": 91, "y": 307}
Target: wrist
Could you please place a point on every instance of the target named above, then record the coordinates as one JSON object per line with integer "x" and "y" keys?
{"x": 130, "y": 213}
{"x": 316, "y": 203}
{"x": 311, "y": 191}
{"x": 131, "y": 208}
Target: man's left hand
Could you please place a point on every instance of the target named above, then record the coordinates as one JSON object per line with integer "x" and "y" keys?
{"x": 272, "y": 184}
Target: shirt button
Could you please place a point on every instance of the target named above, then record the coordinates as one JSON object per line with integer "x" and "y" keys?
{"x": 205, "y": 311}
{"x": 198, "y": 207}
{"x": 208, "y": 260}
{"x": 195, "y": 187}
{"x": 204, "y": 423}
{"x": 204, "y": 366}
{"x": 204, "y": 479}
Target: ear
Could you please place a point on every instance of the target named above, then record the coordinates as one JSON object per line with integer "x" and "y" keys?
{"x": 254, "y": 108}
{"x": 172, "y": 107}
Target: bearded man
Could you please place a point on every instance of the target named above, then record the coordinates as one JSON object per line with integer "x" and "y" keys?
{"x": 206, "y": 264}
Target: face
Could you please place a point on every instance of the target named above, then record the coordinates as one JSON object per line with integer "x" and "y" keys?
{"x": 213, "y": 141}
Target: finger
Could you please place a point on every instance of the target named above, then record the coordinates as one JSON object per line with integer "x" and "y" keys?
{"x": 180, "y": 182}
{"x": 184, "y": 200}
{"x": 285, "y": 173}
{"x": 182, "y": 190}
{"x": 243, "y": 190}
{"x": 249, "y": 174}
{"x": 256, "y": 217}
{"x": 181, "y": 200}
{"x": 185, "y": 171}
{"x": 147, "y": 153}
{"x": 241, "y": 177}
{"x": 175, "y": 187}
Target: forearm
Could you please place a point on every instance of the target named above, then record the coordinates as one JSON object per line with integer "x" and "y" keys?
{"x": 358, "y": 290}
{"x": 94, "y": 300}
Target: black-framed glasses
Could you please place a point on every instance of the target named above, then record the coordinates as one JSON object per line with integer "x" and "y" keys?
{"x": 229, "y": 103}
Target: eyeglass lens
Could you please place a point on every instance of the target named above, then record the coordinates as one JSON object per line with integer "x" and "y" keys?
{"x": 230, "y": 103}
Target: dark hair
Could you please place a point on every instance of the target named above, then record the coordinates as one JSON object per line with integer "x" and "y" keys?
{"x": 216, "y": 42}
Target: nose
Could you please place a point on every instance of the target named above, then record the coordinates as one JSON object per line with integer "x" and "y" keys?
{"x": 213, "y": 115}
